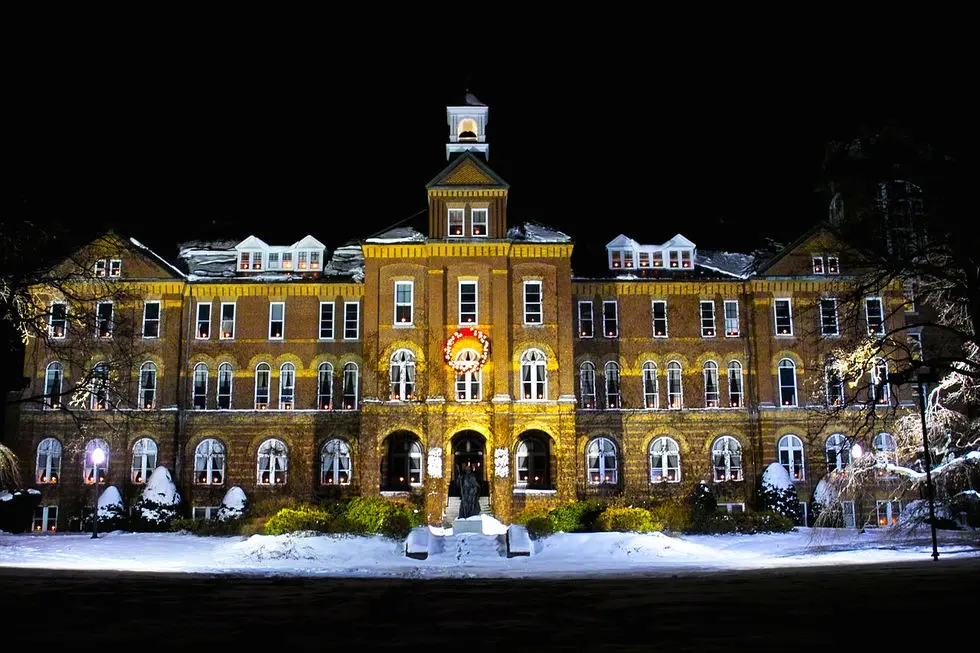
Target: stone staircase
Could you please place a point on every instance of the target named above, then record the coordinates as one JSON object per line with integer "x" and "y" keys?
{"x": 469, "y": 546}
{"x": 452, "y": 509}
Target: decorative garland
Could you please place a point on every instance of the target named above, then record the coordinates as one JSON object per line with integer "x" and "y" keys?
{"x": 462, "y": 367}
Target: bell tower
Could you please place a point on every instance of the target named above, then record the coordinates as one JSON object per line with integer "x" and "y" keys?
{"x": 467, "y": 127}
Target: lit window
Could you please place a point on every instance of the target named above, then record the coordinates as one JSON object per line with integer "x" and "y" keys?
{"x": 914, "y": 339}
{"x": 532, "y": 302}
{"x": 302, "y": 260}
{"x": 99, "y": 394}
{"x": 467, "y": 303}
{"x": 712, "y": 395}
{"x": 148, "y": 386}
{"x": 144, "y": 460}
{"x": 735, "y": 384}
{"x": 244, "y": 261}
{"x": 48, "y": 465}
{"x": 54, "y": 377}
{"x": 350, "y": 386}
{"x": 833, "y": 265}
{"x": 658, "y": 259}
{"x": 151, "y": 319}
{"x": 685, "y": 258}
{"x": 828, "y": 317}
{"x": 209, "y": 463}
{"x": 534, "y": 379}
{"x": 533, "y": 463}
{"x": 287, "y": 386}
{"x": 351, "y": 320}
{"x": 659, "y": 319}
{"x": 88, "y": 466}
{"x": 610, "y": 319}
{"x": 644, "y": 259}
{"x": 787, "y": 383}
{"x": 403, "y": 460}
{"x": 707, "y": 319}
{"x": 272, "y": 463}
{"x": 875, "y": 316}
{"x": 115, "y": 268}
{"x": 324, "y": 392}
{"x": 613, "y": 399}
{"x": 783, "y": 311}
{"x": 838, "y": 454}
{"x": 675, "y": 392}
{"x": 58, "y": 320}
{"x": 45, "y": 519}
{"x": 404, "y": 299}
{"x": 226, "y": 376}
{"x": 601, "y": 462}
{"x": 909, "y": 291}
{"x": 818, "y": 265}
{"x": 878, "y": 384}
{"x": 731, "y": 318}
{"x": 263, "y": 374}
{"x": 256, "y": 260}
{"x": 326, "y": 320}
{"x": 455, "y": 223}
{"x": 468, "y": 384}
{"x": 277, "y": 320}
{"x": 665, "y": 461}
{"x": 103, "y": 320}
{"x": 790, "y": 450}
{"x": 726, "y": 459}
{"x": 834, "y": 382}
{"x": 674, "y": 257}
{"x": 201, "y": 386}
{"x": 203, "y": 321}
{"x": 479, "y": 219}
{"x": 617, "y": 259}
{"x": 402, "y": 375}
{"x": 314, "y": 260}
{"x": 335, "y": 463}
{"x": 586, "y": 325}
{"x": 227, "y": 321}
{"x": 287, "y": 260}
{"x": 651, "y": 395}
{"x": 888, "y": 512}
{"x": 586, "y": 385}
{"x": 627, "y": 258}
{"x": 100, "y": 268}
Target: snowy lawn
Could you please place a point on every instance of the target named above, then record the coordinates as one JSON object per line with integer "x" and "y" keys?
{"x": 564, "y": 554}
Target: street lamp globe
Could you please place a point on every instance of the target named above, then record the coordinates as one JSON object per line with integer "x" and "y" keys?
{"x": 856, "y": 451}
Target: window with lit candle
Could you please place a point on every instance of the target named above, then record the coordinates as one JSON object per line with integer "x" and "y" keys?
{"x": 404, "y": 299}
{"x": 227, "y": 321}
{"x": 602, "y": 462}
{"x": 455, "y": 223}
{"x": 272, "y": 463}
{"x": 144, "y": 460}
{"x": 277, "y": 320}
{"x": 209, "y": 462}
{"x": 586, "y": 324}
{"x": 665, "y": 461}
{"x": 790, "y": 450}
{"x": 587, "y": 385}
{"x": 726, "y": 459}
{"x": 58, "y": 320}
{"x": 48, "y": 463}
{"x": 610, "y": 319}
{"x": 147, "y": 390}
{"x": 203, "y": 321}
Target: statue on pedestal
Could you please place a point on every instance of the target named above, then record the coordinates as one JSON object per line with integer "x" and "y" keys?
{"x": 469, "y": 493}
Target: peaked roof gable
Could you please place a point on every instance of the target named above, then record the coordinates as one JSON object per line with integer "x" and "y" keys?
{"x": 679, "y": 241}
{"x": 139, "y": 261}
{"x": 622, "y": 241}
{"x": 252, "y": 243}
{"x": 467, "y": 170}
{"x": 821, "y": 239}
{"x": 309, "y": 242}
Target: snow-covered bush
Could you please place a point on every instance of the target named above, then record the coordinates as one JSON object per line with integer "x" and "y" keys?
{"x": 778, "y": 495}
{"x": 159, "y": 503}
{"x": 820, "y": 501}
{"x": 233, "y": 505}
{"x": 915, "y": 514}
{"x": 112, "y": 514}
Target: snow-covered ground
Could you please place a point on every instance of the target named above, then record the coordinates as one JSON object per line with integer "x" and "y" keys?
{"x": 566, "y": 554}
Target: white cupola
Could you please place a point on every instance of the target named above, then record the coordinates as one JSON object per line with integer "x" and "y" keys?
{"x": 467, "y": 127}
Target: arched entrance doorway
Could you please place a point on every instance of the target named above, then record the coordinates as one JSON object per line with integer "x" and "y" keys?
{"x": 469, "y": 451}
{"x": 401, "y": 461}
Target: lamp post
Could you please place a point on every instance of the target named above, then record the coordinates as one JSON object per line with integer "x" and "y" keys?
{"x": 98, "y": 456}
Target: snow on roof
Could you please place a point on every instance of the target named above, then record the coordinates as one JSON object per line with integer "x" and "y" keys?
{"x": 678, "y": 241}
{"x": 734, "y": 264}
{"x": 622, "y": 241}
{"x": 776, "y": 477}
{"x": 252, "y": 243}
{"x": 156, "y": 256}
{"x": 347, "y": 261}
{"x": 535, "y": 232}
{"x": 308, "y": 242}
{"x": 398, "y": 235}
{"x": 208, "y": 259}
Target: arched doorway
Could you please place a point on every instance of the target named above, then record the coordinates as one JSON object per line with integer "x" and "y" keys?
{"x": 401, "y": 462}
{"x": 469, "y": 451}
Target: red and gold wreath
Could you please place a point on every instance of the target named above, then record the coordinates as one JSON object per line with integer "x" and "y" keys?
{"x": 467, "y": 338}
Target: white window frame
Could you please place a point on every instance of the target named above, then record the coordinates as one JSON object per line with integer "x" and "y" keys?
{"x": 99, "y": 333}
{"x": 732, "y": 507}
{"x": 887, "y": 512}
{"x": 287, "y": 386}
{"x": 158, "y": 320}
{"x": 52, "y": 452}
{"x": 356, "y": 322}
{"x": 410, "y": 304}
{"x": 791, "y": 365}
{"x": 529, "y": 305}
{"x": 708, "y": 327}
{"x": 52, "y": 394}
{"x": 649, "y": 380}
{"x": 879, "y": 372}
{"x": 792, "y": 456}
{"x": 469, "y": 385}
{"x": 535, "y": 367}
{"x": 474, "y": 314}
{"x": 914, "y": 340}
{"x": 868, "y": 301}
{"x": 282, "y": 321}
{"x": 672, "y": 368}
{"x": 818, "y": 267}
{"x": 612, "y": 382}
{"x": 825, "y": 332}
{"x": 225, "y": 369}
{"x": 101, "y": 268}
{"x": 223, "y": 333}
{"x": 350, "y": 401}
{"x": 52, "y": 332}
{"x": 143, "y": 461}
{"x": 614, "y": 331}
{"x": 732, "y": 473}
{"x": 485, "y": 212}
{"x": 653, "y": 317}
{"x": 210, "y": 458}
{"x": 838, "y": 445}
{"x": 206, "y": 322}
{"x": 886, "y": 450}
{"x": 850, "y": 518}
{"x": 206, "y": 513}
{"x": 735, "y": 384}
{"x": 401, "y": 375}
{"x": 100, "y": 382}
{"x": 88, "y": 467}
{"x": 450, "y": 213}
{"x": 45, "y": 519}
{"x": 262, "y": 369}
{"x": 711, "y": 375}
{"x": 333, "y": 471}
{"x": 275, "y": 452}
{"x": 115, "y": 268}
{"x": 833, "y": 267}
{"x": 832, "y": 379}
{"x": 584, "y": 320}
{"x": 659, "y": 460}
{"x": 200, "y": 391}
{"x": 332, "y": 320}
{"x": 775, "y": 315}
{"x": 148, "y": 367}
{"x": 324, "y": 400}
{"x": 601, "y": 462}
{"x": 586, "y": 385}
{"x": 732, "y": 327}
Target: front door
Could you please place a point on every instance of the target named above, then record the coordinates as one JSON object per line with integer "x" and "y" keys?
{"x": 468, "y": 453}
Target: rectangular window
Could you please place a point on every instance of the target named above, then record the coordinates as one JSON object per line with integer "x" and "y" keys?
{"x": 273, "y": 260}
{"x": 875, "y": 315}
{"x": 404, "y": 300}
{"x": 326, "y": 321}
{"x": 731, "y": 318}
{"x": 256, "y": 260}
{"x": 610, "y": 319}
{"x": 58, "y": 321}
{"x": 908, "y": 291}
{"x": 277, "y": 320}
{"x": 915, "y": 345}
{"x": 888, "y": 512}
{"x": 205, "y": 512}
{"x": 834, "y": 383}
{"x": 151, "y": 319}
{"x": 674, "y": 256}
{"x": 103, "y": 320}
{"x": 45, "y": 519}
{"x": 115, "y": 268}
{"x": 644, "y": 259}
{"x": 467, "y": 303}
{"x": 818, "y": 265}
{"x": 244, "y": 261}
{"x": 628, "y": 259}
{"x": 455, "y": 223}
{"x": 586, "y": 324}
{"x": 833, "y": 265}
{"x": 479, "y": 218}
{"x": 227, "y": 321}
{"x": 828, "y": 317}
{"x": 302, "y": 260}
{"x": 850, "y": 520}
{"x": 783, "y": 310}
{"x": 686, "y": 258}
{"x": 658, "y": 259}
{"x": 617, "y": 259}
{"x": 351, "y": 320}
{"x": 203, "y": 321}
{"x": 314, "y": 260}
{"x": 707, "y": 319}
{"x": 659, "y": 318}
{"x": 532, "y": 302}
{"x": 732, "y": 508}
{"x": 100, "y": 268}
{"x": 287, "y": 260}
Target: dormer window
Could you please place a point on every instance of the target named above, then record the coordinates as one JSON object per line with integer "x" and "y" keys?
{"x": 250, "y": 261}
{"x": 644, "y": 259}
{"x": 685, "y": 258}
{"x": 302, "y": 260}
{"x": 818, "y": 265}
{"x": 314, "y": 260}
{"x": 674, "y": 258}
{"x": 833, "y": 265}
{"x": 658, "y": 259}
{"x": 455, "y": 223}
{"x": 627, "y": 259}
{"x": 256, "y": 260}
{"x": 287, "y": 260}
{"x": 617, "y": 259}
{"x": 273, "y": 260}
{"x": 245, "y": 263}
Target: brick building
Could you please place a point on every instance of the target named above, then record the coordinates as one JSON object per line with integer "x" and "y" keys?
{"x": 394, "y": 363}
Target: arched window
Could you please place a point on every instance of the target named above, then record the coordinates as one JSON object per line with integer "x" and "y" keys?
{"x": 675, "y": 392}
{"x": 787, "y": 383}
{"x": 350, "y": 386}
{"x": 402, "y": 464}
{"x": 467, "y": 130}
{"x": 651, "y": 396}
{"x": 735, "y": 384}
{"x": 712, "y": 396}
{"x": 791, "y": 456}
{"x": 148, "y": 386}
{"x": 613, "y": 399}
{"x": 88, "y": 466}
{"x": 272, "y": 463}
{"x": 324, "y": 388}
{"x": 586, "y": 385}
{"x": 54, "y": 377}
{"x": 878, "y": 383}
{"x": 335, "y": 463}
{"x": 665, "y": 461}
{"x": 402, "y": 375}
{"x": 838, "y": 454}
{"x": 263, "y": 374}
{"x": 226, "y": 379}
{"x": 886, "y": 450}
{"x": 834, "y": 382}
{"x": 602, "y": 463}
{"x": 48, "y": 466}
{"x": 209, "y": 463}
{"x": 201, "y": 386}
{"x": 144, "y": 460}
{"x": 100, "y": 387}
{"x": 469, "y": 384}
{"x": 726, "y": 459}
{"x": 534, "y": 377}
{"x": 287, "y": 386}
{"x": 533, "y": 463}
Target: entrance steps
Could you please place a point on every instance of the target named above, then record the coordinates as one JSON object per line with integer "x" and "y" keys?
{"x": 452, "y": 509}
{"x": 467, "y": 547}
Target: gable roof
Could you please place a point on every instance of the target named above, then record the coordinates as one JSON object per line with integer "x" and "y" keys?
{"x": 308, "y": 242}
{"x": 622, "y": 241}
{"x": 252, "y": 242}
{"x": 467, "y": 171}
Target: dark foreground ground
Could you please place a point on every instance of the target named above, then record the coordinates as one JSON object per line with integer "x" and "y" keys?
{"x": 842, "y": 608}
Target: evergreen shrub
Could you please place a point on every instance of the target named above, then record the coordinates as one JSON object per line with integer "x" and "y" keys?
{"x": 636, "y": 520}
{"x": 674, "y": 517}
{"x": 304, "y": 518}
{"x": 208, "y": 526}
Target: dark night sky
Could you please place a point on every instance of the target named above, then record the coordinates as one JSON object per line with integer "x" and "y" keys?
{"x": 168, "y": 144}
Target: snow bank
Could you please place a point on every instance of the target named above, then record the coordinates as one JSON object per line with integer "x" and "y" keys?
{"x": 485, "y": 524}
